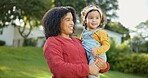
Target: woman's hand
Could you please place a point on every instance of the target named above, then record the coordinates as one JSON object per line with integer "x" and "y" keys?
{"x": 93, "y": 69}
{"x": 100, "y": 63}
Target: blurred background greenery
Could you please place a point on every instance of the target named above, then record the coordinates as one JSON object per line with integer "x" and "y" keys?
{"x": 128, "y": 59}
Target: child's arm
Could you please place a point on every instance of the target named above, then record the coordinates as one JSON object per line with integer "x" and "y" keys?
{"x": 102, "y": 37}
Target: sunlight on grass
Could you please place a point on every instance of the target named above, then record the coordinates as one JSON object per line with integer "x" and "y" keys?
{"x": 4, "y": 68}
{"x": 27, "y": 74}
{"x": 104, "y": 75}
{"x": 43, "y": 75}
{"x": 38, "y": 75}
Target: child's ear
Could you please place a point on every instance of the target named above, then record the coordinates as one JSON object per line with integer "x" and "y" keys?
{"x": 102, "y": 20}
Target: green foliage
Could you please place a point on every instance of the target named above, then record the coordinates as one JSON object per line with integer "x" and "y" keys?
{"x": 30, "y": 42}
{"x": 18, "y": 9}
{"x": 139, "y": 45}
{"x": 143, "y": 47}
{"x": 25, "y": 14}
{"x": 124, "y": 47}
{"x": 78, "y": 5}
{"x": 141, "y": 30}
{"x": 132, "y": 63}
{"x": 2, "y": 43}
{"x": 139, "y": 42}
{"x": 116, "y": 50}
{"x": 122, "y": 59}
{"x": 110, "y": 11}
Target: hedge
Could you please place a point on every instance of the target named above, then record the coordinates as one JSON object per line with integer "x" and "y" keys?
{"x": 130, "y": 63}
{"x": 2, "y": 43}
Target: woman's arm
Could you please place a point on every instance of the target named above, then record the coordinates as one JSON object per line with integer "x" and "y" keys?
{"x": 105, "y": 70}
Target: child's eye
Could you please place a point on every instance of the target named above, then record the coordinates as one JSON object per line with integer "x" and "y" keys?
{"x": 97, "y": 17}
{"x": 90, "y": 18}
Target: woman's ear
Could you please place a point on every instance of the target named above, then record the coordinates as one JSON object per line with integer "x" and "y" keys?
{"x": 85, "y": 21}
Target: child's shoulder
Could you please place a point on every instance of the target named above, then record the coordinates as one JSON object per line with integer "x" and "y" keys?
{"x": 101, "y": 31}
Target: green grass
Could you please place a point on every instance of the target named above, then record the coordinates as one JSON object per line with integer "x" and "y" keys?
{"x": 116, "y": 74}
{"x": 29, "y": 62}
{"x": 25, "y": 62}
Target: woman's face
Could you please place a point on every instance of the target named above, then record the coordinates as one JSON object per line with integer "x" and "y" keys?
{"x": 93, "y": 20}
{"x": 67, "y": 24}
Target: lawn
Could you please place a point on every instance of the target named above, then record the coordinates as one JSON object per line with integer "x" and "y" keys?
{"x": 29, "y": 62}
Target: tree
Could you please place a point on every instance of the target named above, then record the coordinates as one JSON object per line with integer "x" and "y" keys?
{"x": 78, "y": 5}
{"x": 25, "y": 14}
{"x": 139, "y": 42}
{"x": 109, "y": 7}
{"x": 141, "y": 30}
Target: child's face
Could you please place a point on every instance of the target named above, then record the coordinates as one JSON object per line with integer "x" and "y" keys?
{"x": 93, "y": 20}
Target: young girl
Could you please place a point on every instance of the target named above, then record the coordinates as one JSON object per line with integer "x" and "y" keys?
{"x": 94, "y": 38}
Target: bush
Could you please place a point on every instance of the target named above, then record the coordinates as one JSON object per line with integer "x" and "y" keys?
{"x": 2, "y": 43}
{"x": 122, "y": 59}
{"x": 30, "y": 42}
{"x": 133, "y": 63}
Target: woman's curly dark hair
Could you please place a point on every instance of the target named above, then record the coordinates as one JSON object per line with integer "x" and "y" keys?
{"x": 52, "y": 19}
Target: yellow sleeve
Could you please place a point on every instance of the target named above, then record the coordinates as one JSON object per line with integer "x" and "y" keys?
{"x": 102, "y": 37}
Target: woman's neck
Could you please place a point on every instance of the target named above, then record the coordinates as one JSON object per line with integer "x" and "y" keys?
{"x": 65, "y": 36}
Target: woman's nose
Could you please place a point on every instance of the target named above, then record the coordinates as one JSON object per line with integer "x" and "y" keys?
{"x": 72, "y": 23}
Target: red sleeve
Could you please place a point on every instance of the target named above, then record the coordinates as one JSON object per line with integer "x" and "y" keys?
{"x": 105, "y": 70}
{"x": 59, "y": 68}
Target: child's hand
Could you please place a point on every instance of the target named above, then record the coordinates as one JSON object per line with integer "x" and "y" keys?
{"x": 94, "y": 51}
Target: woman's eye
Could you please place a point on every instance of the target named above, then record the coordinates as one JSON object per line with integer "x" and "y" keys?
{"x": 67, "y": 19}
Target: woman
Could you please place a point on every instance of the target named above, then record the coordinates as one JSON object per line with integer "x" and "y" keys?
{"x": 64, "y": 54}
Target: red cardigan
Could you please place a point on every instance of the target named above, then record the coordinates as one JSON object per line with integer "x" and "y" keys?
{"x": 66, "y": 58}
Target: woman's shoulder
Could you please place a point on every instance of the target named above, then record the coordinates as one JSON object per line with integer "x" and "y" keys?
{"x": 53, "y": 40}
